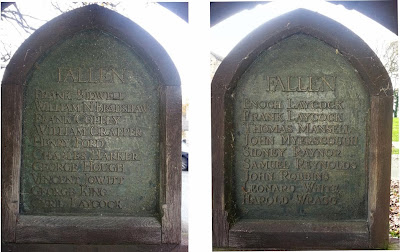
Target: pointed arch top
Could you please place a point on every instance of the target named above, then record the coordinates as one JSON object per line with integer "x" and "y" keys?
{"x": 229, "y": 228}
{"x": 347, "y": 43}
{"x": 89, "y": 17}
{"x": 161, "y": 127}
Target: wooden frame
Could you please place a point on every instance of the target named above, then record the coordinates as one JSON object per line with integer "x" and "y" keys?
{"x": 371, "y": 233}
{"x": 17, "y": 228}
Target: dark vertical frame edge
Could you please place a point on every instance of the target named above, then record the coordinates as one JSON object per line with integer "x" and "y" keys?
{"x": 19, "y": 229}
{"x": 377, "y": 84}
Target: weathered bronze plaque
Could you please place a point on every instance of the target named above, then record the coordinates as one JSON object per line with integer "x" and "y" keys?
{"x": 91, "y": 136}
{"x": 301, "y": 113}
{"x": 300, "y": 135}
{"x": 90, "y": 139}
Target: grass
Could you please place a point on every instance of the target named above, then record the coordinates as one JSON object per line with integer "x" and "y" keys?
{"x": 395, "y": 131}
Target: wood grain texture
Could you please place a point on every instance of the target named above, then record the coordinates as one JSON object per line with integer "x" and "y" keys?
{"x": 379, "y": 172}
{"x": 376, "y": 83}
{"x": 58, "y": 229}
{"x": 88, "y": 230}
{"x": 10, "y": 158}
{"x": 220, "y": 223}
{"x": 299, "y": 234}
{"x": 85, "y": 18}
{"x": 93, "y": 248}
{"x": 171, "y": 207}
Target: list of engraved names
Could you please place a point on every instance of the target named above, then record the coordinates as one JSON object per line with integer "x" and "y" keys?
{"x": 84, "y": 144}
{"x": 299, "y": 138}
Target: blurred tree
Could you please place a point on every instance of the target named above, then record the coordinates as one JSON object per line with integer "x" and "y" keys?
{"x": 392, "y": 66}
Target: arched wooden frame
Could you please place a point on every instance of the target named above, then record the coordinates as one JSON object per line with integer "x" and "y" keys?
{"x": 373, "y": 233}
{"x": 17, "y": 228}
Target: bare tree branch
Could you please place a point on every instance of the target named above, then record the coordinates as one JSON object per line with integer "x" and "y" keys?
{"x": 6, "y": 54}
{"x": 26, "y": 28}
{"x": 57, "y": 6}
{"x": 391, "y": 57}
{"x": 22, "y": 18}
{"x": 26, "y": 15}
{"x": 18, "y": 17}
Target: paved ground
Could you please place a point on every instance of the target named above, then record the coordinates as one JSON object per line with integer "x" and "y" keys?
{"x": 395, "y": 166}
{"x": 394, "y": 243}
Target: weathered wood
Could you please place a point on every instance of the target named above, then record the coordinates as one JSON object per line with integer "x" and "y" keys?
{"x": 304, "y": 234}
{"x": 95, "y": 229}
{"x": 379, "y": 172}
{"x": 372, "y": 233}
{"x": 87, "y": 230}
{"x": 90, "y": 17}
{"x": 171, "y": 205}
{"x": 219, "y": 215}
{"x": 10, "y": 158}
{"x": 93, "y": 248}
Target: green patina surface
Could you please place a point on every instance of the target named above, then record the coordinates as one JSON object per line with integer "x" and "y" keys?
{"x": 300, "y": 135}
{"x": 91, "y": 131}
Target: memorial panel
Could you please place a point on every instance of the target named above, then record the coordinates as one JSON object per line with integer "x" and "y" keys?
{"x": 91, "y": 150}
{"x": 301, "y": 126}
{"x": 300, "y": 135}
{"x": 90, "y": 131}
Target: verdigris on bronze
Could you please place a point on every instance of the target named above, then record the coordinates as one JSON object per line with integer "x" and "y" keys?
{"x": 301, "y": 130}
{"x": 87, "y": 113}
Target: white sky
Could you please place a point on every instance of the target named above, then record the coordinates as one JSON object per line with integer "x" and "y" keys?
{"x": 188, "y": 46}
{"x": 232, "y": 30}
{"x": 167, "y": 28}
{"x": 173, "y": 33}
{"x": 226, "y": 34}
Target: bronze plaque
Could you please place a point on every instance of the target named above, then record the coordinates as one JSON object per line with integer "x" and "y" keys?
{"x": 91, "y": 131}
{"x": 300, "y": 120}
